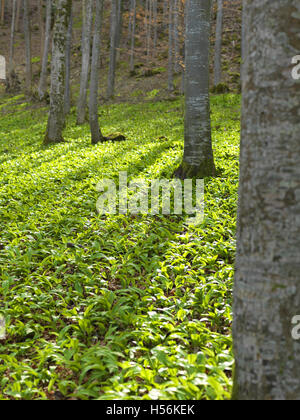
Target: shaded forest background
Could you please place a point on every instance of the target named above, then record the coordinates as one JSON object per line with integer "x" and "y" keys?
{"x": 150, "y": 78}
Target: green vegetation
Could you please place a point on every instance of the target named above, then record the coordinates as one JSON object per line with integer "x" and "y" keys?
{"x": 113, "y": 307}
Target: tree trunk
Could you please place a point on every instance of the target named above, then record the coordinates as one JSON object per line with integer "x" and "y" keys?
{"x": 198, "y": 154}
{"x": 171, "y": 47}
{"x": 43, "y": 78}
{"x": 87, "y": 12}
{"x": 56, "y": 120}
{"x": 113, "y": 48}
{"x": 133, "y": 27}
{"x": 2, "y": 12}
{"x": 12, "y": 82}
{"x": 42, "y": 26}
{"x": 176, "y": 37}
{"x": 218, "y": 45}
{"x": 267, "y": 281}
{"x": 27, "y": 35}
{"x": 18, "y": 15}
{"x": 68, "y": 65}
{"x": 94, "y": 122}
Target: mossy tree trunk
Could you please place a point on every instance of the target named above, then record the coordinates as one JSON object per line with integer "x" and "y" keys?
{"x": 267, "y": 280}
{"x": 56, "y": 120}
{"x": 198, "y": 158}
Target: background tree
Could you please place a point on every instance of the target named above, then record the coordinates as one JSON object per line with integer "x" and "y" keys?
{"x": 218, "y": 45}
{"x": 42, "y": 88}
{"x": 56, "y": 120}
{"x": 198, "y": 154}
{"x": 87, "y": 13}
{"x": 94, "y": 123}
{"x": 267, "y": 281}
{"x": 27, "y": 35}
{"x": 113, "y": 47}
{"x": 68, "y": 64}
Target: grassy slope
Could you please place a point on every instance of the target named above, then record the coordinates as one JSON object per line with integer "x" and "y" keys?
{"x": 139, "y": 307}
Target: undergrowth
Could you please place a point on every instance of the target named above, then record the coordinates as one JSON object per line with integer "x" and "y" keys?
{"x": 113, "y": 307}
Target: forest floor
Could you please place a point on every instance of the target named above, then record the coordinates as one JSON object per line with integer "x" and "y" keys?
{"x": 119, "y": 306}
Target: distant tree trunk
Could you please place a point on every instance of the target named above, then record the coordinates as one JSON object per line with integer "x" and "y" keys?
{"x": 267, "y": 280}
{"x": 94, "y": 122}
{"x": 149, "y": 28}
{"x": 171, "y": 47}
{"x": 12, "y": 82}
{"x": 133, "y": 27}
{"x": 182, "y": 87}
{"x": 43, "y": 77}
{"x": 198, "y": 154}
{"x": 2, "y": 12}
{"x": 113, "y": 48}
{"x": 87, "y": 12}
{"x": 165, "y": 14}
{"x": 18, "y": 15}
{"x": 218, "y": 45}
{"x": 155, "y": 35}
{"x": 119, "y": 27}
{"x": 176, "y": 37}
{"x": 27, "y": 34}
{"x": 42, "y": 26}
{"x": 68, "y": 65}
{"x": 56, "y": 120}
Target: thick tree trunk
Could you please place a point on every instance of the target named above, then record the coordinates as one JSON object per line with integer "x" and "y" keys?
{"x": 56, "y": 120}
{"x": 27, "y": 35}
{"x": 218, "y": 45}
{"x": 44, "y": 72}
{"x": 87, "y": 12}
{"x": 267, "y": 282}
{"x": 94, "y": 122}
{"x": 198, "y": 154}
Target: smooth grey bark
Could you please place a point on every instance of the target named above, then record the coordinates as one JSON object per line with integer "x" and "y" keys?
{"x": 171, "y": 47}
{"x": 87, "y": 14}
{"x": 94, "y": 120}
{"x": 198, "y": 154}
{"x": 218, "y": 45}
{"x": 56, "y": 120}
{"x": 267, "y": 279}
{"x": 67, "y": 105}
{"x": 42, "y": 88}
{"x": 27, "y": 35}
{"x": 113, "y": 48}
